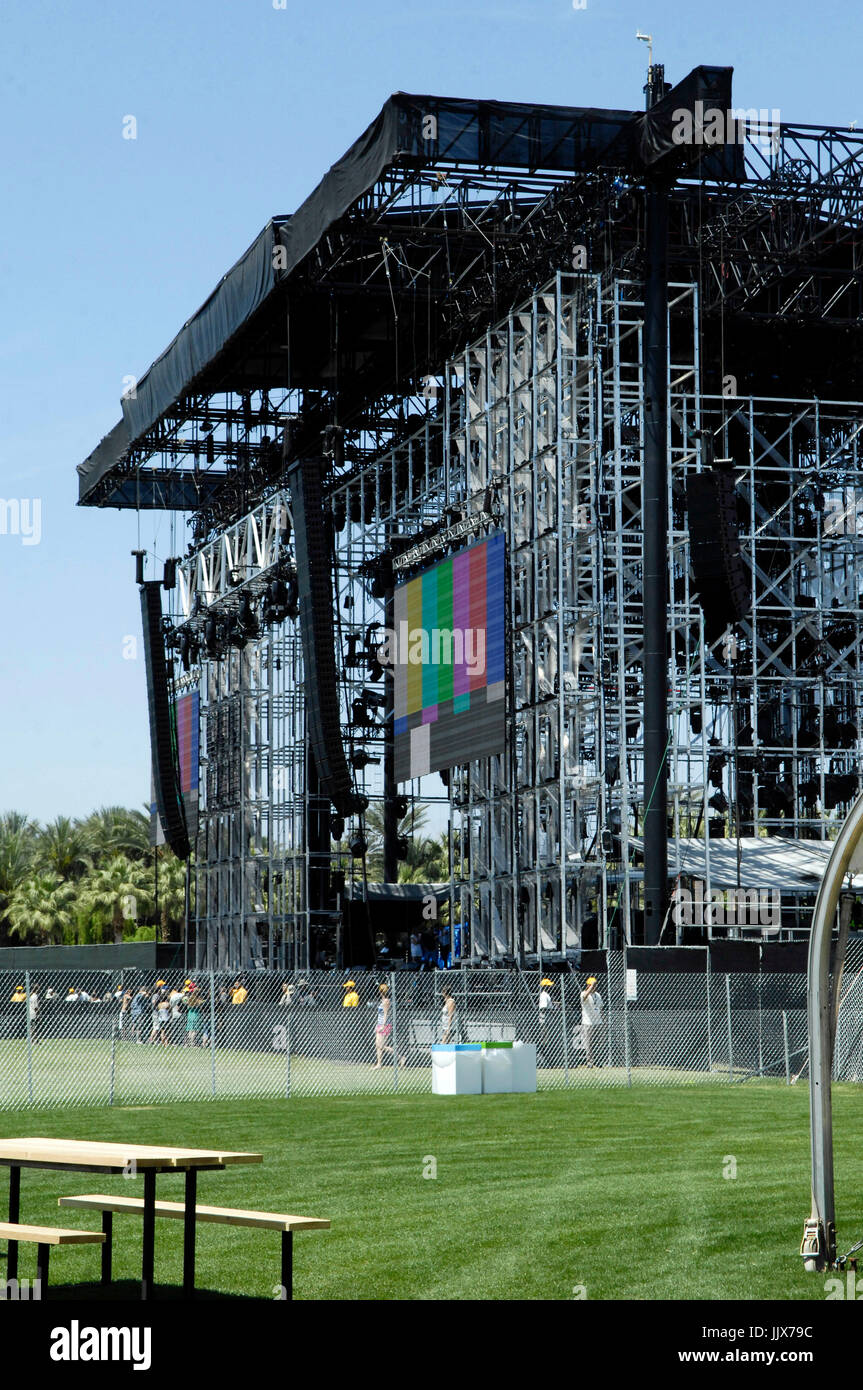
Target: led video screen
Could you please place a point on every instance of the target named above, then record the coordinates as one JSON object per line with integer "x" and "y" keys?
{"x": 447, "y": 652}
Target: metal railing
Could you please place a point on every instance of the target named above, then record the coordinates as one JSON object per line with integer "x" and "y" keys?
{"x": 119, "y": 1038}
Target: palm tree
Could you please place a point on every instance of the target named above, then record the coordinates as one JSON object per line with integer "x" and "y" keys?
{"x": 427, "y": 861}
{"x": 117, "y": 830}
{"x": 42, "y": 909}
{"x": 408, "y": 826}
{"x": 17, "y": 842}
{"x": 172, "y": 894}
{"x": 114, "y": 897}
{"x": 62, "y": 848}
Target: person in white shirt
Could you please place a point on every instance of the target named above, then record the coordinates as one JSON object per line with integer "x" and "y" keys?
{"x": 591, "y": 1017}
{"x": 33, "y": 1010}
{"x": 546, "y": 1003}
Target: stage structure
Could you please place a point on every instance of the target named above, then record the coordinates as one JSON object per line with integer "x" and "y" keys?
{"x": 459, "y": 355}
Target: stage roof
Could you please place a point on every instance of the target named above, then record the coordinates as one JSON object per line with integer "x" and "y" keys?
{"x": 211, "y": 350}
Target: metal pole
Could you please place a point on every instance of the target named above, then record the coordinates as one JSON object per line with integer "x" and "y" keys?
{"x": 395, "y": 1048}
{"x": 626, "y": 1053}
{"x": 819, "y": 1233}
{"x": 709, "y": 1029}
{"x": 655, "y": 552}
{"x": 213, "y": 1032}
{"x": 563, "y": 983}
{"x": 391, "y": 820}
{"x": 787, "y": 1055}
{"x": 113, "y": 1062}
{"x": 187, "y": 900}
{"x": 29, "y": 1035}
{"x": 288, "y": 1057}
{"x": 728, "y": 1017}
{"x": 760, "y": 1022}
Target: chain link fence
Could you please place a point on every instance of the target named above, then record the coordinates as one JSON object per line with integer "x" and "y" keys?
{"x": 130, "y": 1038}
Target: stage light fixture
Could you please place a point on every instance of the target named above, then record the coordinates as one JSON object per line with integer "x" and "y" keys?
{"x": 337, "y": 828}
{"x": 210, "y": 449}
{"x": 211, "y": 637}
{"x": 400, "y": 806}
{"x": 402, "y": 847}
{"x": 361, "y": 758}
{"x": 247, "y": 619}
{"x": 358, "y": 845}
{"x": 169, "y": 575}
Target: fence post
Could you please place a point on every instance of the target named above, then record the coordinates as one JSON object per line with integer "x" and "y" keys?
{"x": 29, "y": 1035}
{"x": 760, "y": 1023}
{"x": 728, "y": 1014}
{"x": 395, "y": 1047}
{"x": 787, "y": 1055}
{"x": 288, "y": 1055}
{"x": 213, "y": 1032}
{"x": 113, "y": 1062}
{"x": 709, "y": 1029}
{"x": 563, "y": 983}
{"x": 626, "y": 1055}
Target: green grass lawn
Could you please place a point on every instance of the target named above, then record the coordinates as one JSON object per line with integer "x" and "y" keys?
{"x": 89, "y": 1071}
{"x": 619, "y": 1191}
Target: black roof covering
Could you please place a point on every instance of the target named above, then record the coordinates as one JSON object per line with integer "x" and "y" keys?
{"x": 480, "y": 134}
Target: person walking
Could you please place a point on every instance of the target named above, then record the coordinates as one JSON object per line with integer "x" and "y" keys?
{"x": 139, "y": 1007}
{"x": 384, "y": 1027}
{"x": 546, "y": 1004}
{"x": 125, "y": 1015}
{"x": 163, "y": 1013}
{"x": 591, "y": 1018}
{"x": 33, "y": 1010}
{"x": 193, "y": 1016}
{"x": 449, "y": 1017}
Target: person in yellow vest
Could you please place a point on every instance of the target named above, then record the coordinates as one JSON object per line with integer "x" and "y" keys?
{"x": 20, "y": 995}
{"x": 239, "y": 993}
{"x": 351, "y": 999}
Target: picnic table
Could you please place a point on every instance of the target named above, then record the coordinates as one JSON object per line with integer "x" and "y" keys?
{"x": 87, "y": 1156}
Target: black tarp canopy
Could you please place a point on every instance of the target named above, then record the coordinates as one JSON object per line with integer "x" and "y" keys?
{"x": 410, "y": 132}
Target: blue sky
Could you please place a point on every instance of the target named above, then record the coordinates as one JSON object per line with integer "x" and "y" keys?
{"x": 109, "y": 244}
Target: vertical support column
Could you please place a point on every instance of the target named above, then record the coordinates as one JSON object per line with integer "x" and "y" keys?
{"x": 394, "y": 1032}
{"x": 107, "y": 1245}
{"x": 212, "y": 1033}
{"x": 787, "y": 1053}
{"x": 655, "y": 580}
{"x": 288, "y": 1265}
{"x": 29, "y": 1036}
{"x": 728, "y": 1021}
{"x": 626, "y": 1042}
{"x": 391, "y": 820}
{"x": 149, "y": 1234}
{"x": 709, "y": 1021}
{"x": 14, "y": 1213}
{"x": 189, "y": 1233}
{"x": 563, "y": 984}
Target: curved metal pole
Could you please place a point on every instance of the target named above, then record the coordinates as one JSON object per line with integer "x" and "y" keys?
{"x": 819, "y": 1233}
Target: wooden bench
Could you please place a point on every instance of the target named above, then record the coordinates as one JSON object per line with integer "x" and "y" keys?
{"x": 224, "y": 1216}
{"x": 43, "y": 1237}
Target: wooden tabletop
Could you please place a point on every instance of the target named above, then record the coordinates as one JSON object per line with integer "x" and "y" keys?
{"x": 95, "y": 1154}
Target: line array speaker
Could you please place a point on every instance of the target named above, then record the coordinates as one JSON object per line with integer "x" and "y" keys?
{"x": 721, "y": 577}
{"x": 314, "y": 575}
{"x": 163, "y": 740}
